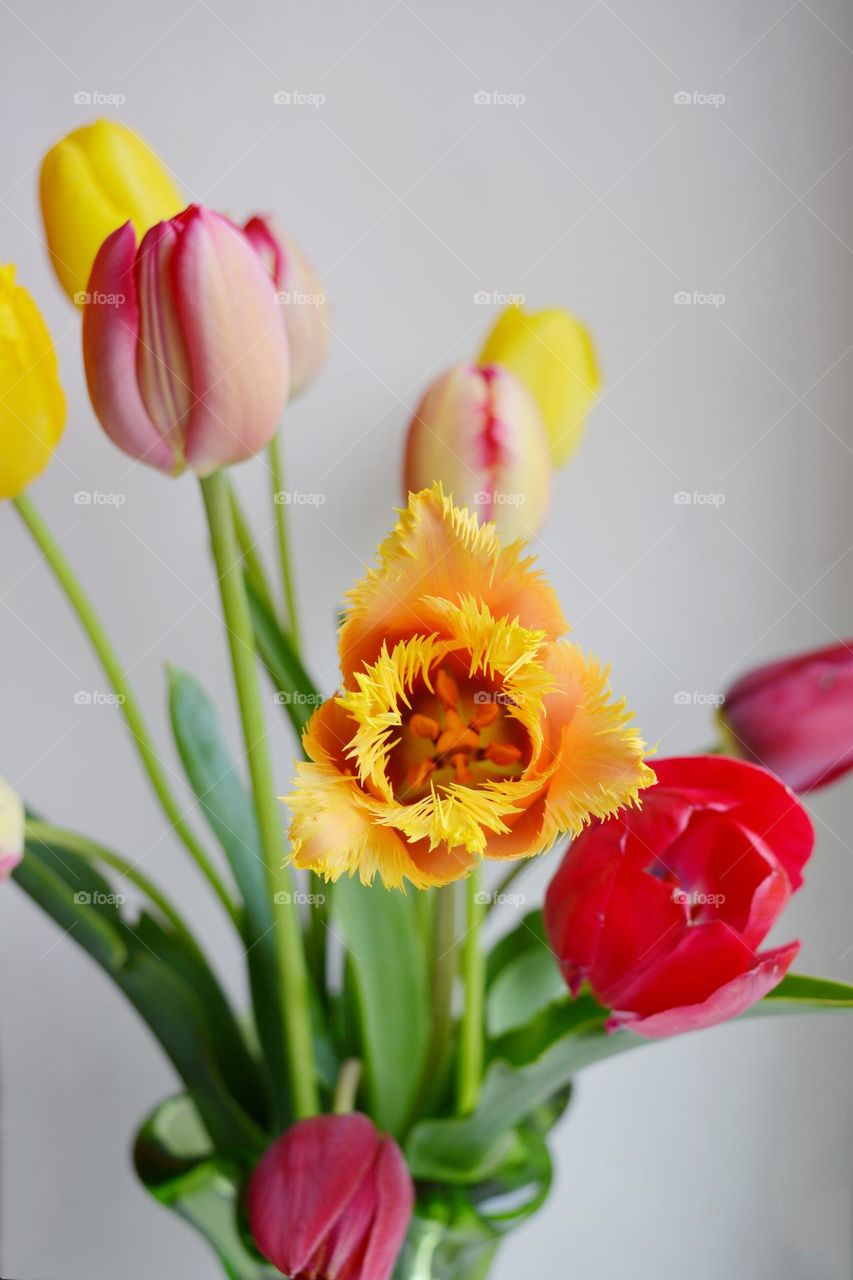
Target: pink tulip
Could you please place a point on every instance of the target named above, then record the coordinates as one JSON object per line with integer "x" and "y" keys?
{"x": 11, "y": 830}
{"x": 479, "y": 432}
{"x": 185, "y": 355}
{"x": 300, "y": 294}
{"x": 331, "y": 1200}
{"x": 796, "y": 717}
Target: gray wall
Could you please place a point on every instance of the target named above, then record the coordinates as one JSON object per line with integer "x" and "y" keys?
{"x": 733, "y": 1149}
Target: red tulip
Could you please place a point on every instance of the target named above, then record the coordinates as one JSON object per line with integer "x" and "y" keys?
{"x": 186, "y": 356}
{"x": 796, "y": 717}
{"x": 661, "y": 909}
{"x": 332, "y": 1200}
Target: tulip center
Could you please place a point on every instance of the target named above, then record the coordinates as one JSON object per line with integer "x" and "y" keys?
{"x": 457, "y": 731}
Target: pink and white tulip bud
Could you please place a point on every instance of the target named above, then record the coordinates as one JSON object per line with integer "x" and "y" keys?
{"x": 300, "y": 293}
{"x": 479, "y": 432}
{"x": 11, "y": 830}
{"x": 185, "y": 355}
{"x": 332, "y": 1200}
{"x": 795, "y": 717}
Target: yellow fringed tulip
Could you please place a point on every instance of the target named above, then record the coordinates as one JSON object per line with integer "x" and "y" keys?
{"x": 32, "y": 404}
{"x": 554, "y": 356}
{"x": 92, "y": 182}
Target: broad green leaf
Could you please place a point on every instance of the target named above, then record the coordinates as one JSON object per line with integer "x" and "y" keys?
{"x": 229, "y": 811}
{"x": 524, "y": 987}
{"x": 294, "y": 688}
{"x": 528, "y": 935}
{"x": 163, "y": 998}
{"x": 797, "y": 993}
{"x": 387, "y": 983}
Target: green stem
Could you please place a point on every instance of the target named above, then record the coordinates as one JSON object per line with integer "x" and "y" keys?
{"x": 282, "y": 540}
{"x": 346, "y": 1088}
{"x": 470, "y": 1070}
{"x": 47, "y": 834}
{"x": 293, "y": 972}
{"x": 248, "y": 550}
{"x": 128, "y": 705}
{"x": 443, "y": 975}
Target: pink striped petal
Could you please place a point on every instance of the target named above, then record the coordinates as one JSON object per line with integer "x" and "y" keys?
{"x": 110, "y": 333}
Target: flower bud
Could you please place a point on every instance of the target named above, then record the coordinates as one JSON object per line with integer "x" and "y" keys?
{"x": 332, "y": 1200}
{"x": 795, "y": 717}
{"x": 92, "y": 181}
{"x": 554, "y": 356}
{"x": 11, "y": 830}
{"x": 186, "y": 357}
{"x": 478, "y": 432}
{"x": 32, "y": 403}
{"x": 300, "y": 294}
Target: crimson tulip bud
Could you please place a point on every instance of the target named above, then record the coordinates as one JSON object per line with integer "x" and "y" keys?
{"x": 186, "y": 358}
{"x": 795, "y": 717}
{"x": 300, "y": 294}
{"x": 332, "y": 1200}
{"x": 662, "y": 909}
{"x": 479, "y": 432}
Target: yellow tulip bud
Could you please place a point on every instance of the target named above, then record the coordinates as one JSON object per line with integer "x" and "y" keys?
{"x": 32, "y": 403}
{"x": 92, "y": 182}
{"x": 554, "y": 356}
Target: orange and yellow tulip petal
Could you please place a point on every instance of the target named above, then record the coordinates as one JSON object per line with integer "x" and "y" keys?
{"x": 466, "y": 728}
{"x": 32, "y": 403}
{"x": 554, "y": 356}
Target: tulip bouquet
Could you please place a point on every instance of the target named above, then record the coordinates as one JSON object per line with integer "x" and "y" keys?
{"x": 384, "y": 1107}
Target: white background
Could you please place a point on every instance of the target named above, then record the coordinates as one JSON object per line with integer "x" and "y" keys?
{"x": 727, "y": 1154}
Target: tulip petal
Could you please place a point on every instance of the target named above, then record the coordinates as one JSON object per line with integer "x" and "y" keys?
{"x": 394, "y": 1192}
{"x": 235, "y": 339}
{"x": 732, "y": 998}
{"x": 110, "y": 336}
{"x": 305, "y": 1183}
{"x": 11, "y": 829}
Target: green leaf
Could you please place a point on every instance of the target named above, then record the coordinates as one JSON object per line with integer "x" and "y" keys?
{"x": 163, "y": 998}
{"x": 230, "y": 813}
{"x": 524, "y": 985}
{"x": 294, "y": 687}
{"x": 527, "y": 1068}
{"x": 529, "y": 935}
{"x": 387, "y": 984}
{"x": 797, "y": 993}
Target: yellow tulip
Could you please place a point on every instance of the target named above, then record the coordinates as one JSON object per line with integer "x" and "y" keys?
{"x": 32, "y": 403}
{"x": 92, "y": 182}
{"x": 554, "y": 356}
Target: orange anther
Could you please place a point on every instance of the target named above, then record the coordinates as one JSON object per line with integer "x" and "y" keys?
{"x": 424, "y": 727}
{"x": 447, "y": 689}
{"x": 457, "y": 740}
{"x": 502, "y": 753}
{"x": 460, "y": 764}
{"x": 486, "y": 714}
